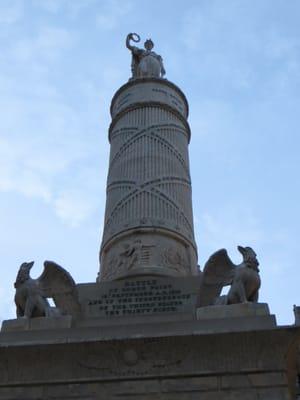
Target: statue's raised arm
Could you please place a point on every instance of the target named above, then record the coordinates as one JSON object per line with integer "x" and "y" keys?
{"x": 134, "y": 37}
{"x": 145, "y": 62}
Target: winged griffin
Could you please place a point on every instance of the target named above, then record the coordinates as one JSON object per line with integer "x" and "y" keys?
{"x": 220, "y": 271}
{"x": 31, "y": 294}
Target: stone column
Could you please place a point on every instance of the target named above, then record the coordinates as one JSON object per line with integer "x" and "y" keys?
{"x": 148, "y": 227}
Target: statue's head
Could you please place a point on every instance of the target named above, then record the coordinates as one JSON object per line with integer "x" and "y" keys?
{"x": 249, "y": 256}
{"x": 149, "y": 45}
{"x": 23, "y": 273}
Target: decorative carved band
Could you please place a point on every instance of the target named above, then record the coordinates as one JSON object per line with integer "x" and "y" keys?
{"x": 149, "y": 189}
{"x": 146, "y": 105}
{"x": 160, "y": 82}
{"x": 150, "y": 133}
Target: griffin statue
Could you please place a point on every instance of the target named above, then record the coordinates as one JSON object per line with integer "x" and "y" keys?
{"x": 220, "y": 271}
{"x": 55, "y": 282}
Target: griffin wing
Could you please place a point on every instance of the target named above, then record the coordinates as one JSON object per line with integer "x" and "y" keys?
{"x": 218, "y": 272}
{"x": 57, "y": 283}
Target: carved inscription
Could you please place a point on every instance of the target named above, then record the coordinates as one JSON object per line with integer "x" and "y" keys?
{"x": 138, "y": 297}
{"x": 174, "y": 99}
{"x": 123, "y": 101}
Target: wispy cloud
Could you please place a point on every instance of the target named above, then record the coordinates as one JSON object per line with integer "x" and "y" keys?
{"x": 47, "y": 139}
{"x": 82, "y": 197}
{"x": 75, "y": 206}
{"x": 46, "y": 46}
{"x": 228, "y": 227}
{"x": 11, "y": 11}
{"x": 111, "y": 13}
{"x": 71, "y": 8}
{"x": 239, "y": 47}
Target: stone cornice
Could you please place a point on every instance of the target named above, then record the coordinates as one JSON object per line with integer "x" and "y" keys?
{"x": 146, "y": 80}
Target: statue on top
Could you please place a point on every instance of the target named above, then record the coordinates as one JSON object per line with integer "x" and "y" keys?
{"x": 145, "y": 62}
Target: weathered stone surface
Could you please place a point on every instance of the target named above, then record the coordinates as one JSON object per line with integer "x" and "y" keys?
{"x": 236, "y": 317}
{"x": 184, "y": 366}
{"x": 19, "y": 324}
{"x": 41, "y": 323}
{"x": 233, "y": 311}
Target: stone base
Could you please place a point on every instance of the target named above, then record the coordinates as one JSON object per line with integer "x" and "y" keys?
{"x": 154, "y": 364}
{"x": 236, "y": 317}
{"x": 144, "y": 339}
{"x": 212, "y": 319}
{"x": 42, "y": 323}
{"x": 242, "y": 310}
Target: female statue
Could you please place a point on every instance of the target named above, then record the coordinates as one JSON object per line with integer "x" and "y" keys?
{"x": 145, "y": 63}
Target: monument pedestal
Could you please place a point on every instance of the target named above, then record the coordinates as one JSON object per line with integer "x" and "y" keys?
{"x": 24, "y": 324}
{"x": 211, "y": 353}
{"x": 150, "y": 360}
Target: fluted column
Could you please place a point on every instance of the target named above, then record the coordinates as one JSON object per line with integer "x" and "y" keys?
{"x": 148, "y": 227}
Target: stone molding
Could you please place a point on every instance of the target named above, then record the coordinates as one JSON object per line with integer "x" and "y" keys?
{"x": 131, "y": 83}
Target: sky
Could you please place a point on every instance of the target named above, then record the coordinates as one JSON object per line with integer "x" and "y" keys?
{"x": 237, "y": 61}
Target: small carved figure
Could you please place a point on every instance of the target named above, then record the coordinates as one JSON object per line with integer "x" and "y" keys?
{"x": 31, "y": 294}
{"x": 145, "y": 63}
{"x": 175, "y": 260}
{"x": 220, "y": 271}
{"x": 130, "y": 256}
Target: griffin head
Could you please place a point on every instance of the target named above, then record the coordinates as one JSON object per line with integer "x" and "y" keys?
{"x": 24, "y": 273}
{"x": 249, "y": 257}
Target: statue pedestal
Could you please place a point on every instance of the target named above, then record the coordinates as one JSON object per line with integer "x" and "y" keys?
{"x": 242, "y": 310}
{"x": 25, "y": 324}
{"x": 157, "y": 360}
{"x": 236, "y": 317}
{"x": 144, "y": 338}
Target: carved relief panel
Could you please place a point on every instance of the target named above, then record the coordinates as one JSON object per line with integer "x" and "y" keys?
{"x": 145, "y": 252}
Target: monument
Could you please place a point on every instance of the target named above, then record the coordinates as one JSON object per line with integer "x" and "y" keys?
{"x": 148, "y": 227}
{"x": 153, "y": 325}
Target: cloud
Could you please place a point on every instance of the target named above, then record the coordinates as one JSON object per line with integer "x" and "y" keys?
{"x": 230, "y": 226}
{"x": 49, "y": 138}
{"x": 75, "y": 206}
{"x": 82, "y": 197}
{"x": 238, "y": 49}
{"x": 46, "y": 45}
{"x": 52, "y": 170}
{"x": 51, "y": 6}
{"x": 112, "y": 11}
{"x": 71, "y": 8}
{"x": 278, "y": 46}
{"x": 11, "y": 11}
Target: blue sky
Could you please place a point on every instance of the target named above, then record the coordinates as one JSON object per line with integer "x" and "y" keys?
{"x": 238, "y": 62}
